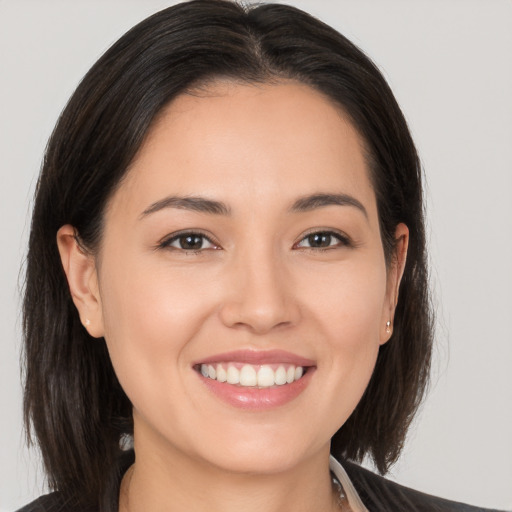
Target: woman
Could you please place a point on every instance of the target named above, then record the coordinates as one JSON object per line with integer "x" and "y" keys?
{"x": 227, "y": 263}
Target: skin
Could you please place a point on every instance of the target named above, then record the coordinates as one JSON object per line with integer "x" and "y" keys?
{"x": 258, "y": 285}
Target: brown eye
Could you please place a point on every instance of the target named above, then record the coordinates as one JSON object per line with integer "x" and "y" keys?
{"x": 189, "y": 242}
{"x": 319, "y": 240}
{"x": 323, "y": 240}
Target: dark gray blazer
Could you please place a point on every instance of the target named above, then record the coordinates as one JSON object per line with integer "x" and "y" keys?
{"x": 377, "y": 493}
{"x": 381, "y": 495}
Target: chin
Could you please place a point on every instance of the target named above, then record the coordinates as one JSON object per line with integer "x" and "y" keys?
{"x": 263, "y": 451}
{"x": 258, "y": 461}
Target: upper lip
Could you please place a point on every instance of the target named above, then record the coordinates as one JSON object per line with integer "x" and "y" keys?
{"x": 257, "y": 357}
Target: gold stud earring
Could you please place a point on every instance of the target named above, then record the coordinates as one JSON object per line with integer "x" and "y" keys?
{"x": 388, "y": 327}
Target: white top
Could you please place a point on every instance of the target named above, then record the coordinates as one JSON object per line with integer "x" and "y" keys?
{"x": 350, "y": 492}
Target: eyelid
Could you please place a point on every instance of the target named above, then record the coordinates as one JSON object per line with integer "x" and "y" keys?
{"x": 167, "y": 240}
{"x": 343, "y": 238}
{"x": 165, "y": 243}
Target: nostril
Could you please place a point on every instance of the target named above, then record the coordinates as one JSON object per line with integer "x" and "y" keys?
{"x": 259, "y": 298}
{"x": 258, "y": 320}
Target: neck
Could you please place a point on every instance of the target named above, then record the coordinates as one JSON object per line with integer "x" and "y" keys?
{"x": 170, "y": 480}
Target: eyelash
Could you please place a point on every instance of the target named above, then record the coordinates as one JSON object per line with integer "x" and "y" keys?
{"x": 175, "y": 237}
{"x": 343, "y": 241}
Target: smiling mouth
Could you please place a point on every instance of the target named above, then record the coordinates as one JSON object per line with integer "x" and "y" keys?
{"x": 256, "y": 380}
{"x": 252, "y": 376}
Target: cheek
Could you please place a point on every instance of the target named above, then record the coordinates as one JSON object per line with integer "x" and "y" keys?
{"x": 350, "y": 303}
{"x": 348, "y": 318}
{"x": 149, "y": 318}
{"x": 149, "y": 305}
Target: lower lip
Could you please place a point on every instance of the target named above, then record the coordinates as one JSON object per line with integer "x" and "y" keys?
{"x": 252, "y": 398}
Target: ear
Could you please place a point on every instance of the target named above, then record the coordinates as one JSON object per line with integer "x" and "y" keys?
{"x": 80, "y": 270}
{"x": 394, "y": 277}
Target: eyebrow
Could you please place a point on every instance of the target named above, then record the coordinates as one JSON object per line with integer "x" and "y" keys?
{"x": 320, "y": 200}
{"x": 210, "y": 206}
{"x": 194, "y": 203}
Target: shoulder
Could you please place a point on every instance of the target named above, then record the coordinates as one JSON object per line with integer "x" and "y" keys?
{"x": 61, "y": 502}
{"x": 54, "y": 502}
{"x": 378, "y": 493}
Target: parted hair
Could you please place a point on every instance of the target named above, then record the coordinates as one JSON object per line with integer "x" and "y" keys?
{"x": 74, "y": 405}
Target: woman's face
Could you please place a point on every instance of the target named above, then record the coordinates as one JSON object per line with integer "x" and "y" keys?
{"x": 244, "y": 245}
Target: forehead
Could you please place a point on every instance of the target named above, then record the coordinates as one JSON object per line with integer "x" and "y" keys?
{"x": 267, "y": 141}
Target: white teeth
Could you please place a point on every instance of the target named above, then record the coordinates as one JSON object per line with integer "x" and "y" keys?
{"x": 222, "y": 375}
{"x": 248, "y": 376}
{"x": 263, "y": 376}
{"x": 280, "y": 377}
{"x": 266, "y": 377}
{"x": 233, "y": 375}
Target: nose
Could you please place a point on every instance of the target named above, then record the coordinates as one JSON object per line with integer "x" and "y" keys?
{"x": 261, "y": 295}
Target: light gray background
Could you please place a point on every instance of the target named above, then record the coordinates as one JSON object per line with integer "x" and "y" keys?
{"x": 450, "y": 65}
